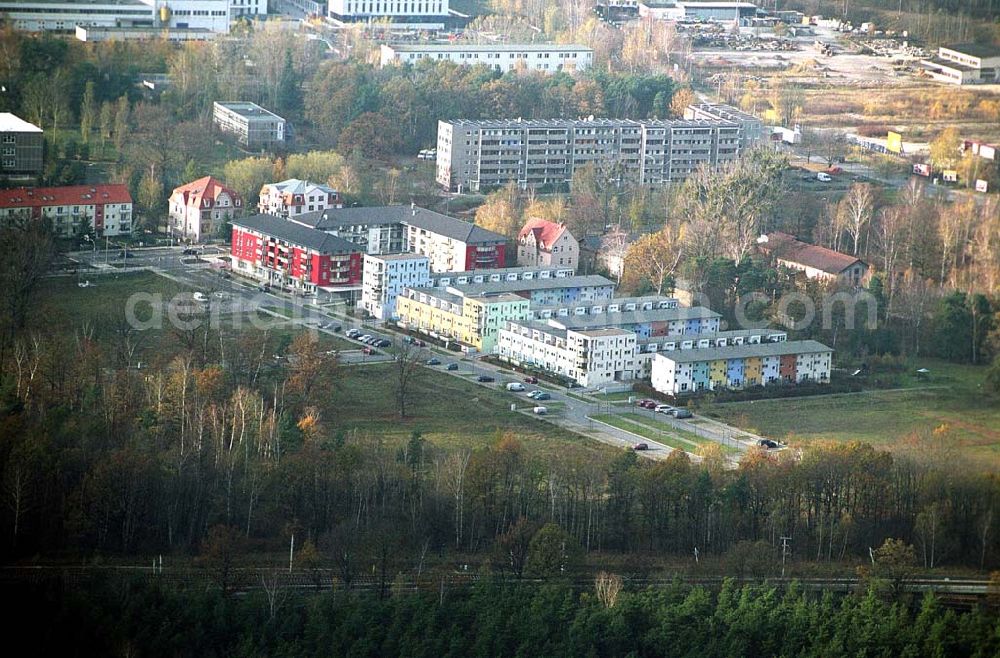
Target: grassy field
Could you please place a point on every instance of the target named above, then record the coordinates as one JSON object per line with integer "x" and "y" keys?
{"x": 450, "y": 413}
{"x": 951, "y": 397}
{"x": 660, "y": 432}
{"x": 64, "y": 306}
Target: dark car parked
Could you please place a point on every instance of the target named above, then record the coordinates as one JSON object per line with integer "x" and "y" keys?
{"x": 485, "y": 378}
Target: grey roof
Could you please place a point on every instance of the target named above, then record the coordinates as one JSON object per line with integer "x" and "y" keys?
{"x": 489, "y": 287}
{"x": 981, "y": 50}
{"x": 450, "y": 227}
{"x": 695, "y": 355}
{"x": 296, "y": 234}
{"x": 587, "y": 123}
{"x": 247, "y": 109}
{"x": 635, "y": 317}
{"x": 501, "y": 271}
{"x": 403, "y": 256}
{"x": 488, "y": 48}
{"x": 947, "y": 64}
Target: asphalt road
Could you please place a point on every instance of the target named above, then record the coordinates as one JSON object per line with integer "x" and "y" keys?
{"x": 236, "y": 294}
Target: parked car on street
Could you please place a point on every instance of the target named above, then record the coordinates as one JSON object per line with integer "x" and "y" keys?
{"x": 485, "y": 379}
{"x": 641, "y": 446}
{"x": 663, "y": 409}
{"x": 517, "y": 387}
{"x": 531, "y": 380}
{"x": 681, "y": 413}
{"x": 451, "y": 366}
{"x": 647, "y": 404}
{"x": 540, "y": 410}
{"x": 768, "y": 443}
{"x": 433, "y": 361}
{"x": 368, "y": 350}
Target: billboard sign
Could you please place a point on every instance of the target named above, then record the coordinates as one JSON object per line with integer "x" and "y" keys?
{"x": 894, "y": 143}
{"x": 949, "y": 176}
{"x": 922, "y": 169}
{"x": 982, "y": 186}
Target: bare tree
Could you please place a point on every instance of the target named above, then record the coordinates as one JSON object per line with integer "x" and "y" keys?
{"x": 408, "y": 359}
{"x": 857, "y": 209}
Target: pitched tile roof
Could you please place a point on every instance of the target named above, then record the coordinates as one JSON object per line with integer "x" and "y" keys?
{"x": 546, "y": 233}
{"x": 196, "y": 191}
{"x": 788, "y": 248}
{"x": 296, "y": 234}
{"x": 71, "y": 195}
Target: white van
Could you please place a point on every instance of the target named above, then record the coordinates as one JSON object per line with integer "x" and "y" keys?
{"x": 517, "y": 387}
{"x": 541, "y": 411}
{"x": 824, "y": 177}
{"x": 200, "y": 297}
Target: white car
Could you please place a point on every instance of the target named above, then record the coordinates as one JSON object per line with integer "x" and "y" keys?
{"x": 823, "y": 177}
{"x": 541, "y": 411}
{"x": 200, "y": 297}
{"x": 663, "y": 409}
{"x": 517, "y": 387}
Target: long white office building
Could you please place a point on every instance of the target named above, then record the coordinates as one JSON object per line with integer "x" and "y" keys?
{"x": 477, "y": 155}
{"x": 547, "y": 58}
{"x": 65, "y": 16}
{"x": 417, "y": 14}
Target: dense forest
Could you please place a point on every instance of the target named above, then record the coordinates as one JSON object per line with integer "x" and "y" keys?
{"x": 494, "y": 618}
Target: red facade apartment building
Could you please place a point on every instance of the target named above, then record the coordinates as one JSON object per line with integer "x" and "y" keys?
{"x": 278, "y": 252}
{"x": 73, "y": 209}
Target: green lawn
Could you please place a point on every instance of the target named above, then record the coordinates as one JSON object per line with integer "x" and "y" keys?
{"x": 629, "y": 425}
{"x": 451, "y": 413}
{"x": 952, "y": 396}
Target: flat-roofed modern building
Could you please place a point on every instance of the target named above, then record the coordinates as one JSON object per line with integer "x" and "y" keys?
{"x": 698, "y": 11}
{"x": 566, "y": 339}
{"x": 22, "y": 149}
{"x": 751, "y": 128}
{"x": 253, "y": 126}
{"x": 966, "y": 63}
{"x": 544, "y": 57}
{"x": 477, "y": 155}
{"x": 470, "y": 319}
{"x": 688, "y": 371}
{"x": 414, "y": 14}
{"x": 66, "y": 15}
{"x": 383, "y": 278}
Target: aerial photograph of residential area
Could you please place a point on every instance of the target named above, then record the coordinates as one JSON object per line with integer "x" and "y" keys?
{"x": 515, "y": 328}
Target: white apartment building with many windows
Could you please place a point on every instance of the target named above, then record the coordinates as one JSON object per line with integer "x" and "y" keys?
{"x": 547, "y": 58}
{"x": 477, "y": 155}
{"x": 416, "y": 14}
{"x": 65, "y": 16}
{"x": 588, "y": 357}
{"x": 383, "y": 278}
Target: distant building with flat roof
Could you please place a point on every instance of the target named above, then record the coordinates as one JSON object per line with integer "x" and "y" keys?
{"x": 963, "y": 64}
{"x": 544, "y": 57}
{"x": 22, "y": 147}
{"x": 253, "y": 126}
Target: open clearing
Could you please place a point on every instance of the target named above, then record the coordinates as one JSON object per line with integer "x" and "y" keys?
{"x": 450, "y": 413}
{"x": 951, "y": 397}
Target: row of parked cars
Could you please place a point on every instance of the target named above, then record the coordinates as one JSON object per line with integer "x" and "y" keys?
{"x": 370, "y": 342}
{"x": 676, "y": 412}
